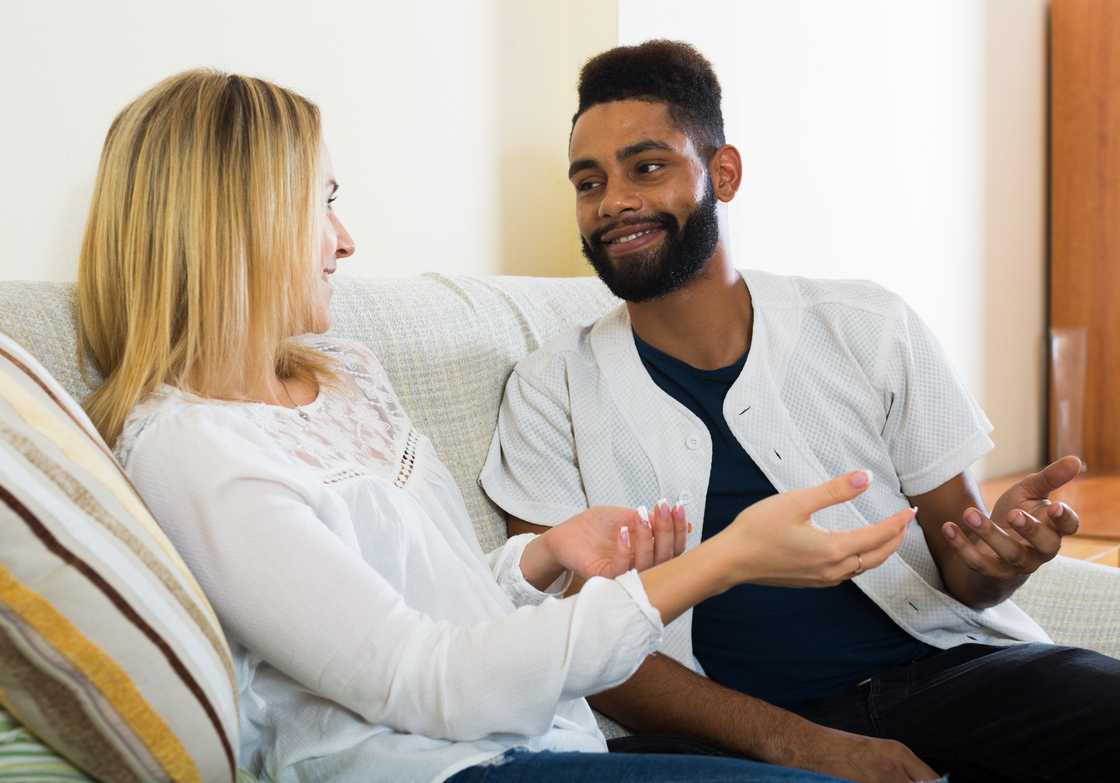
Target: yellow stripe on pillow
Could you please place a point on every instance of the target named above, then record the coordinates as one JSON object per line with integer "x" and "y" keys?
{"x": 103, "y": 673}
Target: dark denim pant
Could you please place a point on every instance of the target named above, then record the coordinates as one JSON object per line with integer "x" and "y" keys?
{"x": 520, "y": 766}
{"x": 1031, "y": 712}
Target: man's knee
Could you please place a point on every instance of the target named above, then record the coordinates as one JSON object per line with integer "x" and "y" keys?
{"x": 1080, "y": 678}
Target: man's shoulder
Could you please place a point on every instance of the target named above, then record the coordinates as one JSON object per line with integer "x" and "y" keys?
{"x": 567, "y": 349}
{"x": 770, "y": 290}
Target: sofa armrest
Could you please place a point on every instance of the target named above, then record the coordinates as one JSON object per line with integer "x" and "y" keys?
{"x": 1078, "y": 603}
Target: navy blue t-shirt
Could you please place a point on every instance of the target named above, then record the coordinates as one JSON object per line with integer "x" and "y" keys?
{"x": 782, "y": 645}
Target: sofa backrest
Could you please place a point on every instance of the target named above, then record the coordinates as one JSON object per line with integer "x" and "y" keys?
{"x": 448, "y": 343}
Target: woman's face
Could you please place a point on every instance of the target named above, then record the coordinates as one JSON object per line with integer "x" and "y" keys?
{"x": 335, "y": 243}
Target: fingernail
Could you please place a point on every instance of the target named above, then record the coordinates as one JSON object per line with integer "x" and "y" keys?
{"x": 1018, "y": 520}
{"x": 663, "y": 504}
{"x": 861, "y": 478}
{"x": 624, "y": 534}
{"x": 950, "y": 532}
{"x": 643, "y": 514}
{"x": 973, "y": 518}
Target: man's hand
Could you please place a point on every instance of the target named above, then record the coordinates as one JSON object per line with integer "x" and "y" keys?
{"x": 1025, "y": 530}
{"x": 855, "y": 757}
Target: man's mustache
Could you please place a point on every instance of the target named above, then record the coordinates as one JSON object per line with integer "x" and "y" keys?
{"x": 662, "y": 219}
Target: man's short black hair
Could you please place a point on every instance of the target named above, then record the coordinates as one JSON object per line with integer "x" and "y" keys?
{"x": 659, "y": 71}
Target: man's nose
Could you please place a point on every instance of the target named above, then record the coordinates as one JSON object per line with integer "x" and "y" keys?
{"x": 618, "y": 199}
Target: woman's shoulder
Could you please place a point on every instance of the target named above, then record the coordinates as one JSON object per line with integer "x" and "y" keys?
{"x": 352, "y": 356}
{"x": 361, "y": 369}
{"x": 175, "y": 421}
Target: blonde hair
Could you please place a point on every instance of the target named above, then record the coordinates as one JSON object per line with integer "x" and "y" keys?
{"x": 196, "y": 265}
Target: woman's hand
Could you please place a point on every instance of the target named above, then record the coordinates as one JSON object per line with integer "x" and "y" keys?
{"x": 606, "y": 541}
{"x": 775, "y": 542}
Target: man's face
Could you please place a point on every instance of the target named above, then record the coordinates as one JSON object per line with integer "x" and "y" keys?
{"x": 645, "y": 203}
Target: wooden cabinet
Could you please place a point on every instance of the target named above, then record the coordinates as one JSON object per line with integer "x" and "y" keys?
{"x": 1085, "y": 227}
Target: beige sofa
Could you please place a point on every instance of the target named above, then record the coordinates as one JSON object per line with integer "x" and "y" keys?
{"x": 449, "y": 344}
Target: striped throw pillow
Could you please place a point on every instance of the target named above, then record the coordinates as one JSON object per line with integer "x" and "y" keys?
{"x": 109, "y": 651}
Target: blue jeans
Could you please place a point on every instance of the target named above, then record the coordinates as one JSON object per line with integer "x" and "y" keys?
{"x": 522, "y": 766}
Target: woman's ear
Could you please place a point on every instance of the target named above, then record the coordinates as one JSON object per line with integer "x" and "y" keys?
{"x": 726, "y": 170}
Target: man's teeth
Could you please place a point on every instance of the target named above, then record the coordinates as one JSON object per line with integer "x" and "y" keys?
{"x": 632, "y": 237}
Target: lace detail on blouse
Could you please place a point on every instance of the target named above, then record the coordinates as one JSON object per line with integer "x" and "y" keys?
{"x": 352, "y": 429}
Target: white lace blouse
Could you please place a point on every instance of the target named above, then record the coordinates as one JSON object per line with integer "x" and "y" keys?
{"x": 374, "y": 640}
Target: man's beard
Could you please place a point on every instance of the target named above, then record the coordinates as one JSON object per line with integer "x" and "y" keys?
{"x": 682, "y": 255}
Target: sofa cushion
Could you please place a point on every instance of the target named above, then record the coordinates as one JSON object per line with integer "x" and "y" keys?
{"x": 109, "y": 651}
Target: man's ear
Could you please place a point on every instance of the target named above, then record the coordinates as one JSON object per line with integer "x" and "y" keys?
{"x": 726, "y": 169}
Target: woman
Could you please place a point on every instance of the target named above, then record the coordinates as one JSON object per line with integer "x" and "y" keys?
{"x": 374, "y": 639}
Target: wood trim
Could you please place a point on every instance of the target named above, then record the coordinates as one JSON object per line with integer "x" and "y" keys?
{"x": 1085, "y": 215}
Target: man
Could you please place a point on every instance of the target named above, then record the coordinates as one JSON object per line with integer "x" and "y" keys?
{"x": 715, "y": 389}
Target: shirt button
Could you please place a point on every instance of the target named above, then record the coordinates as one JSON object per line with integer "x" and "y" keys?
{"x": 692, "y": 442}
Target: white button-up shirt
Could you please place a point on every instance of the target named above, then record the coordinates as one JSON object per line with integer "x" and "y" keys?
{"x": 841, "y": 375}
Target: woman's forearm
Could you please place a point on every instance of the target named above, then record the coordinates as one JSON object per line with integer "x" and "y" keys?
{"x": 539, "y": 565}
{"x": 673, "y": 587}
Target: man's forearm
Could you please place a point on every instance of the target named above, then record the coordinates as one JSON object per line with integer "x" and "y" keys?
{"x": 948, "y": 503}
{"x": 664, "y": 697}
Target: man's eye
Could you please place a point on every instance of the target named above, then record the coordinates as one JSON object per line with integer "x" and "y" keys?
{"x": 649, "y": 168}
{"x": 586, "y": 185}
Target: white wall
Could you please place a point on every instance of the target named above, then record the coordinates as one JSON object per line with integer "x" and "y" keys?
{"x": 447, "y": 120}
{"x": 900, "y": 142}
{"x": 903, "y": 142}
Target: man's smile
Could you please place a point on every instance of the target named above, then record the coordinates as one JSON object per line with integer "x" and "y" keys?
{"x": 631, "y": 237}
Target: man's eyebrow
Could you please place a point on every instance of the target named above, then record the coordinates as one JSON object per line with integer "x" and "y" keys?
{"x": 639, "y": 147}
{"x": 581, "y": 165}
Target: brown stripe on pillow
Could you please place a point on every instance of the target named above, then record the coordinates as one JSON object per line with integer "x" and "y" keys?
{"x": 82, "y": 498}
{"x": 62, "y": 710}
{"x": 47, "y": 538}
